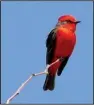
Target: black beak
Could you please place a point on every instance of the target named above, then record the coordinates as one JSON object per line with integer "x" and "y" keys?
{"x": 77, "y": 22}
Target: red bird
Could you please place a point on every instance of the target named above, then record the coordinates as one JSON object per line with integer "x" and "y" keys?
{"x": 60, "y": 44}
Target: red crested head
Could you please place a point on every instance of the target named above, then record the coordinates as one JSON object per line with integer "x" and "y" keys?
{"x": 67, "y": 17}
{"x": 68, "y": 21}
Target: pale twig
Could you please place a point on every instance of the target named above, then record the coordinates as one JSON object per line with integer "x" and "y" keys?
{"x": 24, "y": 83}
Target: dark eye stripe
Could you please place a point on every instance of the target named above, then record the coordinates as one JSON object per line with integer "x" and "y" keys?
{"x": 69, "y": 21}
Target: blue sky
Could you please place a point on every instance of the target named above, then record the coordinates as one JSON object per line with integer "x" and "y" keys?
{"x": 25, "y": 26}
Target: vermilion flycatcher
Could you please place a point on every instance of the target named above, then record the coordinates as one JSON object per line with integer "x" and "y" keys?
{"x": 60, "y": 43}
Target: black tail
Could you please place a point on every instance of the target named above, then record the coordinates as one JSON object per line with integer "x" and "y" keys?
{"x": 49, "y": 82}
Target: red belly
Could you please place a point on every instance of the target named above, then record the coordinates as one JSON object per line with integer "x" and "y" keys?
{"x": 64, "y": 44}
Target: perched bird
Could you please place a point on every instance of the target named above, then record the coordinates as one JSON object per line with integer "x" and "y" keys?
{"x": 60, "y": 43}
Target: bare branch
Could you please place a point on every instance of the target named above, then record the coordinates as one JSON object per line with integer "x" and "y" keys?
{"x": 25, "y": 82}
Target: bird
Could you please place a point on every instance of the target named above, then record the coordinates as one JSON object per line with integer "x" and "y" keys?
{"x": 60, "y": 43}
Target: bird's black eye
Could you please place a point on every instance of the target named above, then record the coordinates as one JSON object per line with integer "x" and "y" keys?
{"x": 69, "y": 21}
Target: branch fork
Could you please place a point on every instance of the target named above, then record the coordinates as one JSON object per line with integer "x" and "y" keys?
{"x": 32, "y": 75}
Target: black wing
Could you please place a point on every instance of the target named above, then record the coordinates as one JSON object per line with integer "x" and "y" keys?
{"x": 50, "y": 44}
